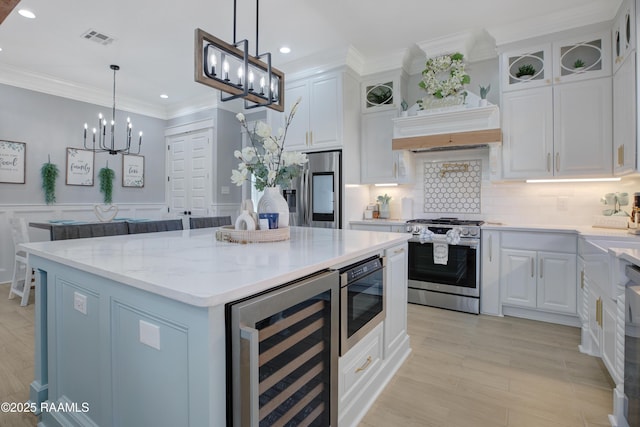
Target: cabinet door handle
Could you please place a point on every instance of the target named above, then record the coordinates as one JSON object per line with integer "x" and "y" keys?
{"x": 541, "y": 264}
{"x": 365, "y": 365}
{"x": 398, "y": 251}
{"x": 250, "y": 352}
{"x": 490, "y": 247}
{"x": 621, "y": 155}
{"x": 548, "y": 162}
{"x": 582, "y": 279}
{"x": 557, "y": 162}
{"x": 311, "y": 138}
{"x": 533, "y": 266}
{"x": 395, "y": 169}
{"x": 306, "y": 138}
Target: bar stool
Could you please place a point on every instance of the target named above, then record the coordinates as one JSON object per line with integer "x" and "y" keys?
{"x": 22, "y": 272}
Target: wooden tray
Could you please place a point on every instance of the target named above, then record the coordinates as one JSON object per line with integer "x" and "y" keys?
{"x": 228, "y": 233}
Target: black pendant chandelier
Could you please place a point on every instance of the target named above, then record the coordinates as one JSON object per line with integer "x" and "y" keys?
{"x": 107, "y": 145}
{"x": 230, "y": 69}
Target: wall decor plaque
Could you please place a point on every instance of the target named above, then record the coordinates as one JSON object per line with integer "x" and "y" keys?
{"x": 132, "y": 170}
{"x": 12, "y": 162}
{"x": 79, "y": 167}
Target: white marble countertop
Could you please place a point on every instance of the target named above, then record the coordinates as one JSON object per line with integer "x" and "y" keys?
{"x": 583, "y": 230}
{"x": 378, "y": 221}
{"x": 192, "y": 267}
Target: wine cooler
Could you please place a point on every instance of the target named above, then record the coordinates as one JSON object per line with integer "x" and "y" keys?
{"x": 283, "y": 355}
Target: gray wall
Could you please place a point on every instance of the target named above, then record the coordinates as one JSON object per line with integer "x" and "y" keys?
{"x": 48, "y": 124}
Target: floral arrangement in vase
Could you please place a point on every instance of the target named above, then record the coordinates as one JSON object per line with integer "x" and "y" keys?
{"x": 268, "y": 165}
{"x": 448, "y": 91}
{"x": 384, "y": 206}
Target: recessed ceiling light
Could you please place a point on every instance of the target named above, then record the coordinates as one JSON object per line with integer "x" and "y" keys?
{"x": 285, "y": 49}
{"x": 27, "y": 13}
{"x": 0, "y": 49}
{"x": 164, "y": 96}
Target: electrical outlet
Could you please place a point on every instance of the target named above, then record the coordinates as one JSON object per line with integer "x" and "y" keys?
{"x": 80, "y": 302}
{"x": 149, "y": 334}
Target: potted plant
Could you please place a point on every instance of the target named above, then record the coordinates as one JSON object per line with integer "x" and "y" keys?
{"x": 525, "y": 72}
{"x": 49, "y": 173}
{"x": 483, "y": 95}
{"x": 578, "y": 65}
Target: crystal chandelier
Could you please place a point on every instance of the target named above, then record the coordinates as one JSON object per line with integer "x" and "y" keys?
{"x": 100, "y": 133}
{"x": 230, "y": 69}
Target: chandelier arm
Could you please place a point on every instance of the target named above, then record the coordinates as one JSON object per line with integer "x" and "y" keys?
{"x": 257, "y": 14}
{"x": 234, "y": 20}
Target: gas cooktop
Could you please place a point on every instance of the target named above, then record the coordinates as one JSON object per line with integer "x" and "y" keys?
{"x": 446, "y": 221}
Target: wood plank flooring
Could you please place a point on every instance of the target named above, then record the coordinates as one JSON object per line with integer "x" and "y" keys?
{"x": 468, "y": 370}
{"x": 464, "y": 371}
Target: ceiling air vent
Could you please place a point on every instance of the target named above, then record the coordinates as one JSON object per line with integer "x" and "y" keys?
{"x": 98, "y": 37}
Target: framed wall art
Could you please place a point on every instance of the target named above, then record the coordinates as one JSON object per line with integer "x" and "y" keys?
{"x": 132, "y": 170}
{"x": 79, "y": 167}
{"x": 12, "y": 162}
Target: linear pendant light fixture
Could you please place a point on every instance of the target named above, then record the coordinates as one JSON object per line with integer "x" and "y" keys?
{"x": 230, "y": 69}
{"x": 101, "y": 130}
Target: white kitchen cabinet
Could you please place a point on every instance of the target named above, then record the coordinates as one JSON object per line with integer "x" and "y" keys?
{"x": 555, "y": 270}
{"x": 624, "y": 116}
{"x": 608, "y": 315}
{"x": 564, "y": 131}
{"x": 490, "y": 279}
{"x": 527, "y": 132}
{"x": 379, "y": 163}
{"x": 382, "y": 226}
{"x": 624, "y": 34}
{"x": 558, "y": 123}
{"x": 581, "y": 295}
{"x": 534, "y": 277}
{"x": 395, "y": 322}
{"x": 318, "y": 121}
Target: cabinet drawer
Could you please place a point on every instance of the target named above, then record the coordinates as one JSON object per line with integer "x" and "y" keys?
{"x": 557, "y": 242}
{"x": 360, "y": 364}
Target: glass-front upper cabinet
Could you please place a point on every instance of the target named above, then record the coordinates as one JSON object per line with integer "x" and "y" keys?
{"x": 624, "y": 33}
{"x": 526, "y": 68}
{"x": 583, "y": 57}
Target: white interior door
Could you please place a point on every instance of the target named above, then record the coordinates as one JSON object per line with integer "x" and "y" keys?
{"x": 189, "y": 173}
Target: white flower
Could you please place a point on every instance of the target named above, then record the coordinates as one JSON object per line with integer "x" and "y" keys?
{"x": 237, "y": 154}
{"x": 272, "y": 175}
{"x": 271, "y": 146}
{"x": 248, "y": 153}
{"x": 239, "y": 177}
{"x": 242, "y": 166}
{"x": 240, "y": 117}
{"x": 263, "y": 130}
{"x": 294, "y": 158}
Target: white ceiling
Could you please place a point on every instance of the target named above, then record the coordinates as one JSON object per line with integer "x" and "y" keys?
{"x": 154, "y": 39}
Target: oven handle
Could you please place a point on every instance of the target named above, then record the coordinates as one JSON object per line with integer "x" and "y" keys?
{"x": 472, "y": 243}
{"x": 249, "y": 386}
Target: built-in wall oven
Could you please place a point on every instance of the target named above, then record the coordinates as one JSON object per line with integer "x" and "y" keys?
{"x": 362, "y": 300}
{"x": 441, "y": 274}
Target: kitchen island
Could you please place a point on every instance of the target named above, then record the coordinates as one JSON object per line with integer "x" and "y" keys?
{"x": 130, "y": 330}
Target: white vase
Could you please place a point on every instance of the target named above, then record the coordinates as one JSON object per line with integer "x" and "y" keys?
{"x": 272, "y": 201}
{"x": 384, "y": 211}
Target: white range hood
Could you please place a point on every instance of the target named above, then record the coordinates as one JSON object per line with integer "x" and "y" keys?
{"x": 448, "y": 129}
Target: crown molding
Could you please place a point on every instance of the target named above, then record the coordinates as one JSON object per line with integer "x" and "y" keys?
{"x": 53, "y": 86}
{"x": 459, "y": 42}
{"x": 552, "y": 23}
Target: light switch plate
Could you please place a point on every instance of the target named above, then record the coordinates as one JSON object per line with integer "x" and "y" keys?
{"x": 80, "y": 302}
{"x": 150, "y": 334}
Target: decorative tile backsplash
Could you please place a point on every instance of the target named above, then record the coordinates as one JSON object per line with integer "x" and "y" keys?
{"x": 452, "y": 187}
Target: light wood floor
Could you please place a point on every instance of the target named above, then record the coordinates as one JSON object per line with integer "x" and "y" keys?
{"x": 464, "y": 371}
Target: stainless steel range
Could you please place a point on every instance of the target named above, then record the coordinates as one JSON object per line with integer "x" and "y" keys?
{"x": 444, "y": 263}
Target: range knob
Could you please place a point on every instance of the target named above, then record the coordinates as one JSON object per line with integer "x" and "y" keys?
{"x": 409, "y": 228}
{"x": 464, "y": 231}
{"x": 474, "y": 231}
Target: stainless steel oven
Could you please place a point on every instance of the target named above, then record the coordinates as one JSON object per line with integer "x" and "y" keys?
{"x": 441, "y": 274}
{"x": 362, "y": 300}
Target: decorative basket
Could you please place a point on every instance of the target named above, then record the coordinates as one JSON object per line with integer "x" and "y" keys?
{"x": 227, "y": 233}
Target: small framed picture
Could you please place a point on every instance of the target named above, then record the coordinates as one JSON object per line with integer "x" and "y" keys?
{"x": 79, "y": 167}
{"x": 12, "y": 162}
{"x": 132, "y": 170}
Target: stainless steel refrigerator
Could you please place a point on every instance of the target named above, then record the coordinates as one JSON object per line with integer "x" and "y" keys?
{"x": 315, "y": 197}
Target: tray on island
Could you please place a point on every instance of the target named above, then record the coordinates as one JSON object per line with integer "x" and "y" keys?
{"x": 228, "y": 233}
